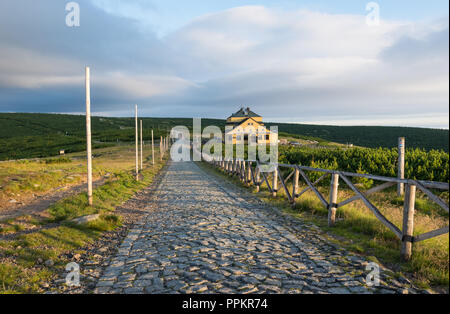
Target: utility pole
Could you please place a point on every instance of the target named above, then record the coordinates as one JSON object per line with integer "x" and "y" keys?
{"x": 401, "y": 165}
{"x": 142, "y": 150}
{"x": 153, "y": 149}
{"x": 137, "y": 140}
{"x": 88, "y": 135}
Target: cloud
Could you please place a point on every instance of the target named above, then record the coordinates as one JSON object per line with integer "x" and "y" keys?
{"x": 298, "y": 65}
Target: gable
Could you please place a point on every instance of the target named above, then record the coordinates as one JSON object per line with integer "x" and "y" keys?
{"x": 248, "y": 123}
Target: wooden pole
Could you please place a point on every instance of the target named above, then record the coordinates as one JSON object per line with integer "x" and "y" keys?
{"x": 275, "y": 183}
{"x": 249, "y": 173}
{"x": 408, "y": 221}
{"x": 161, "y": 152}
{"x": 88, "y": 135}
{"x": 401, "y": 165}
{"x": 137, "y": 142}
{"x": 333, "y": 200}
{"x": 295, "y": 186}
{"x": 258, "y": 179}
{"x": 142, "y": 149}
{"x": 153, "y": 149}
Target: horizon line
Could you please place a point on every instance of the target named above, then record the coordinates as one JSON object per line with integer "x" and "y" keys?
{"x": 268, "y": 122}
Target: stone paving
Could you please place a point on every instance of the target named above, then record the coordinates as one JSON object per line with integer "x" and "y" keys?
{"x": 206, "y": 236}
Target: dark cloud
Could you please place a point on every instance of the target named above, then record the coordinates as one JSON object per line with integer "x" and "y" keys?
{"x": 287, "y": 65}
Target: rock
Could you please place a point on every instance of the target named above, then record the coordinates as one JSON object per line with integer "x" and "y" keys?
{"x": 76, "y": 256}
{"x": 85, "y": 219}
{"x": 39, "y": 260}
{"x": 338, "y": 291}
{"x": 49, "y": 263}
{"x": 13, "y": 201}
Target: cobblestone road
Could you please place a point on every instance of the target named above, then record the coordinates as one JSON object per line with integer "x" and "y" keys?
{"x": 204, "y": 237}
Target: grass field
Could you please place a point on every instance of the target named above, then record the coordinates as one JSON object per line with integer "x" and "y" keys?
{"x": 23, "y": 252}
{"x": 21, "y": 180}
{"x": 360, "y": 231}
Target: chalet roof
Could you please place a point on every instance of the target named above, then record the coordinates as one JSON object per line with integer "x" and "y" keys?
{"x": 245, "y": 113}
{"x": 235, "y": 124}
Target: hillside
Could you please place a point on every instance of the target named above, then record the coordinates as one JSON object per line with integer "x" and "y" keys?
{"x": 34, "y": 135}
{"x": 29, "y": 135}
{"x": 372, "y": 136}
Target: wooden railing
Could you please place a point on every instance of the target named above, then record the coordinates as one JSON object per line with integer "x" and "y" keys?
{"x": 249, "y": 173}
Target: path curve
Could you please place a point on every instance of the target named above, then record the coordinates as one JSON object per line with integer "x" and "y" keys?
{"x": 41, "y": 203}
{"x": 205, "y": 236}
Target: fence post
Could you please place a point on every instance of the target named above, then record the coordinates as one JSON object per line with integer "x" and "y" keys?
{"x": 249, "y": 173}
{"x": 332, "y": 207}
{"x": 401, "y": 165}
{"x": 258, "y": 178}
{"x": 275, "y": 182}
{"x": 239, "y": 169}
{"x": 88, "y": 135}
{"x": 408, "y": 221}
{"x": 295, "y": 186}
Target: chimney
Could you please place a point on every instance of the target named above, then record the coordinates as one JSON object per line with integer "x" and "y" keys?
{"x": 247, "y": 111}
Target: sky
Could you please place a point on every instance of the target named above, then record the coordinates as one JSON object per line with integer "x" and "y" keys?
{"x": 292, "y": 61}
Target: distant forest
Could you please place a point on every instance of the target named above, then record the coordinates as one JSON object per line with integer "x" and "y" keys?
{"x": 372, "y": 136}
{"x": 30, "y": 135}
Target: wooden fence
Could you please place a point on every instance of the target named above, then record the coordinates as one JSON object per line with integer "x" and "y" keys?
{"x": 250, "y": 173}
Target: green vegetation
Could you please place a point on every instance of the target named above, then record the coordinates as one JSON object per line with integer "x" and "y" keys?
{"x": 419, "y": 164}
{"x": 28, "y": 135}
{"x": 371, "y": 136}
